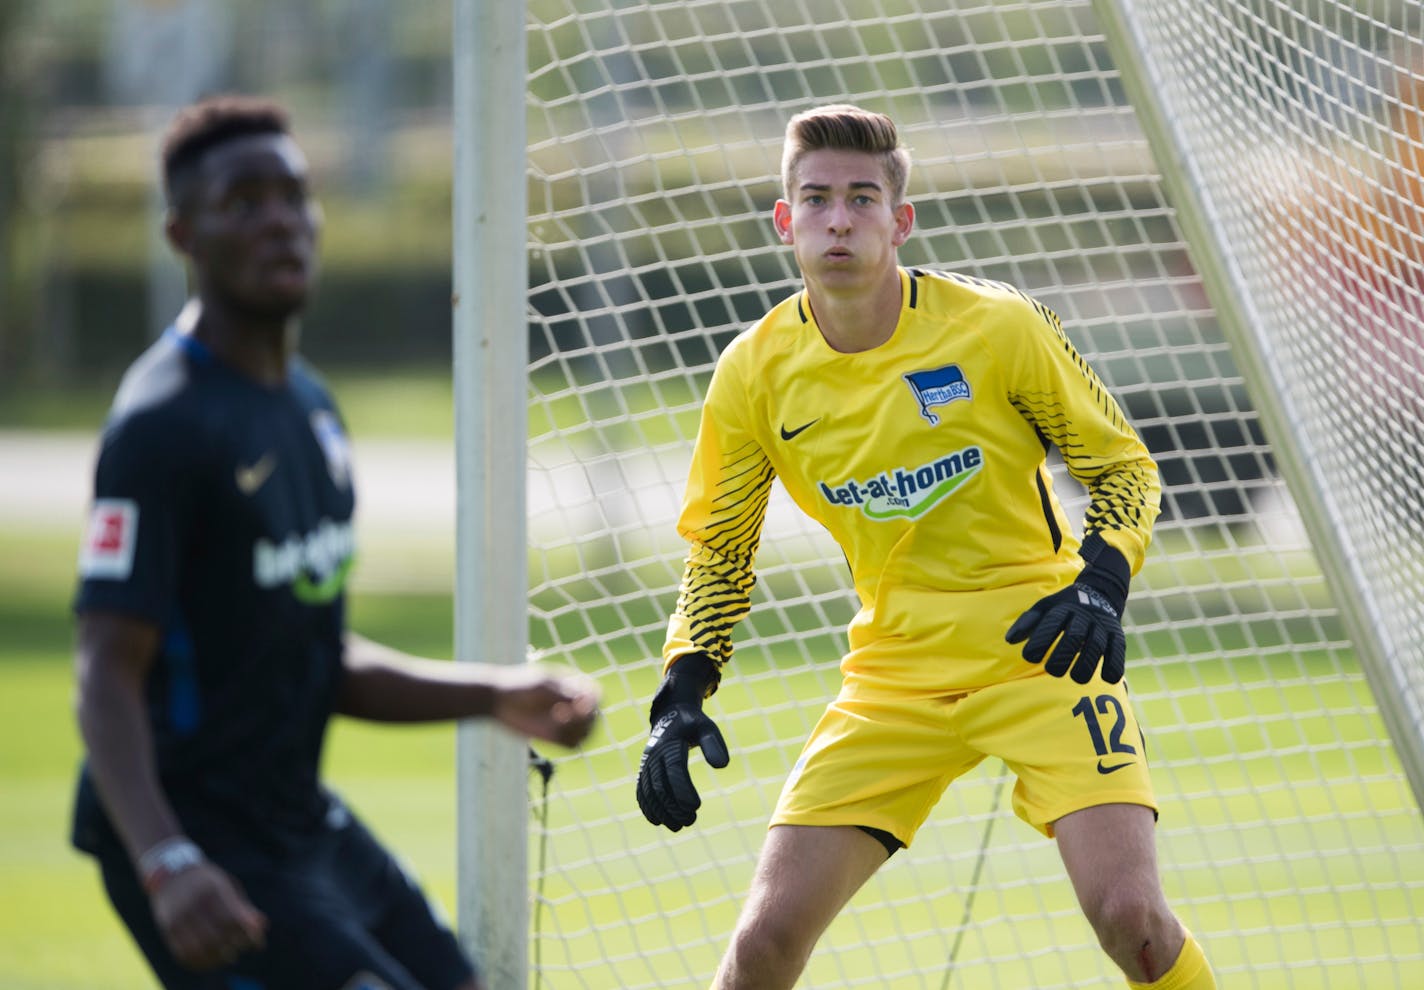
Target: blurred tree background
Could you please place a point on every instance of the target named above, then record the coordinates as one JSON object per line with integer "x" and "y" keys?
{"x": 86, "y": 88}
{"x": 624, "y": 249}
{"x": 14, "y": 129}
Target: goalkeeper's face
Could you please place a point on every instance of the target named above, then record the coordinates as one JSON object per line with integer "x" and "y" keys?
{"x": 841, "y": 220}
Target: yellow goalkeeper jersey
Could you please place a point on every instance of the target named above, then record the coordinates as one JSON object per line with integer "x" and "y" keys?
{"x": 925, "y": 460}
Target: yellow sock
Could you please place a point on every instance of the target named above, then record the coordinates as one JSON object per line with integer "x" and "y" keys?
{"x": 1191, "y": 971}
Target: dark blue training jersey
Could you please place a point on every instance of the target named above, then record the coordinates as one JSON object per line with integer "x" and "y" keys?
{"x": 222, "y": 514}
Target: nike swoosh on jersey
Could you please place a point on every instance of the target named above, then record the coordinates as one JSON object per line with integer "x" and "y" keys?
{"x": 793, "y": 434}
{"x": 249, "y": 479}
{"x": 1115, "y": 767}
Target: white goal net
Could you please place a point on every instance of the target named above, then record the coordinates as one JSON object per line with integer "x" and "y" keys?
{"x": 1291, "y": 842}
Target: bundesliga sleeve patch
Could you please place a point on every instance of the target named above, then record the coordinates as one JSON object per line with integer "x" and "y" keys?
{"x": 108, "y": 548}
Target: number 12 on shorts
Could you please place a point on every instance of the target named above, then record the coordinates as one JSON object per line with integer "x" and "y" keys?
{"x": 1107, "y": 705}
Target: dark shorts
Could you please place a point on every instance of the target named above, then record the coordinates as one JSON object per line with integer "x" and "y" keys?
{"x": 342, "y": 908}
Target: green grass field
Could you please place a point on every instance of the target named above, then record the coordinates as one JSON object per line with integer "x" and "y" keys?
{"x": 1288, "y": 840}
{"x": 604, "y": 927}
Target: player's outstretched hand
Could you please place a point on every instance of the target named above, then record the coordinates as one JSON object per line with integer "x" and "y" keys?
{"x": 665, "y": 792}
{"x": 205, "y": 917}
{"x": 1084, "y": 628}
{"x": 559, "y": 709}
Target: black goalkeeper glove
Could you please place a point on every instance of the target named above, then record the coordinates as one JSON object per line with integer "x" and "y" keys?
{"x": 665, "y": 792}
{"x": 1084, "y": 620}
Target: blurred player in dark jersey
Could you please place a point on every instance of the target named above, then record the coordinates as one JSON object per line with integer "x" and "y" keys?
{"x": 212, "y": 646}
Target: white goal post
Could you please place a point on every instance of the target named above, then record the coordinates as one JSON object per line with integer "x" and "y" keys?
{"x": 490, "y": 355}
{"x": 1223, "y": 201}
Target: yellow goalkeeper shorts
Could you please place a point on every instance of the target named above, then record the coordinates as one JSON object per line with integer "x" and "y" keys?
{"x": 882, "y": 760}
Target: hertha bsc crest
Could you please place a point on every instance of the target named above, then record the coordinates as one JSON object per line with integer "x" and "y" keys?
{"x": 937, "y": 388}
{"x": 334, "y": 445}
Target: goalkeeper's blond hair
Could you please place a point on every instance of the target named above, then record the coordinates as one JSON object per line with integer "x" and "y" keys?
{"x": 843, "y": 127}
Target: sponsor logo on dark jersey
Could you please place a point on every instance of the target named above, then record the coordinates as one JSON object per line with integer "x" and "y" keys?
{"x": 314, "y": 565}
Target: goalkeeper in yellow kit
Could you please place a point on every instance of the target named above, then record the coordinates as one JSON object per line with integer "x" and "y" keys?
{"x": 909, "y": 412}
